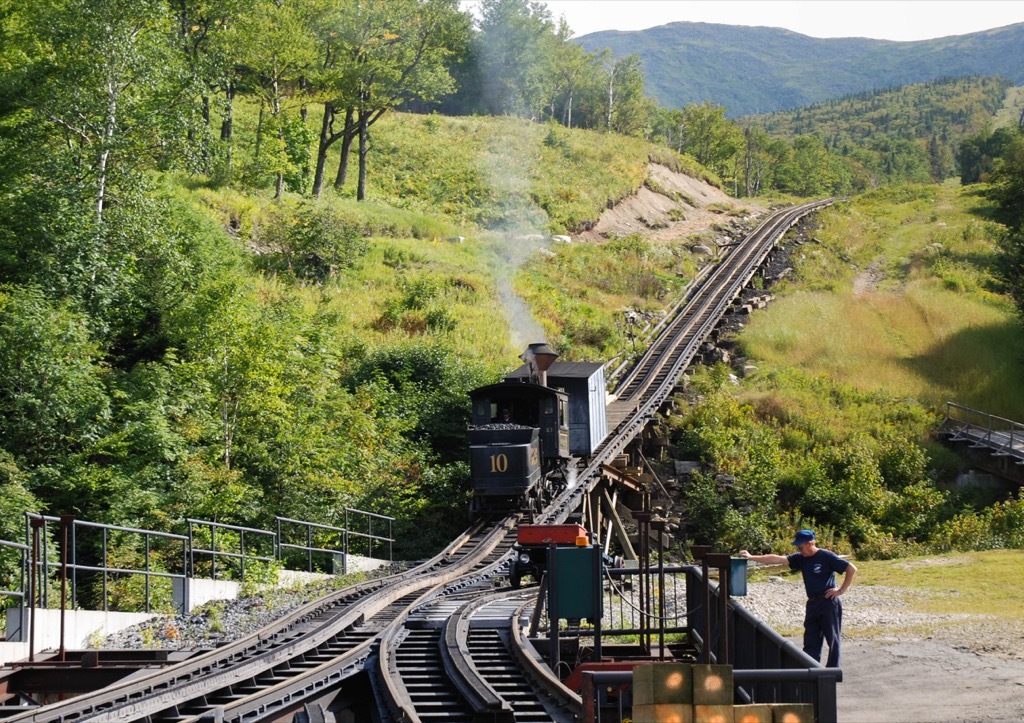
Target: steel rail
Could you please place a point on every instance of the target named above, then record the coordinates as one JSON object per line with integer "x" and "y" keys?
{"x": 306, "y": 684}
{"x": 398, "y": 698}
{"x": 475, "y": 689}
{"x": 244, "y": 659}
{"x": 479, "y": 689}
{"x": 537, "y": 670}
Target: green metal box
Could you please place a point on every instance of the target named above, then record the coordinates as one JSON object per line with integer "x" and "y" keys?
{"x": 576, "y": 581}
{"x": 737, "y": 576}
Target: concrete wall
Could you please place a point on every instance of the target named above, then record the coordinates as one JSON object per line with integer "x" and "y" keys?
{"x": 201, "y": 591}
{"x": 357, "y": 563}
{"x": 79, "y": 627}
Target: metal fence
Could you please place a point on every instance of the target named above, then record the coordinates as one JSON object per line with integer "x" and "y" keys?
{"x": 234, "y": 549}
{"x": 102, "y": 566}
{"x": 680, "y": 603}
{"x": 17, "y": 595}
{"x": 315, "y": 542}
{"x": 1004, "y": 437}
{"x": 359, "y": 542}
{"x": 88, "y": 559}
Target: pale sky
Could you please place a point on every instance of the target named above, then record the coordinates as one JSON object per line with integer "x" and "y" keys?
{"x": 880, "y": 19}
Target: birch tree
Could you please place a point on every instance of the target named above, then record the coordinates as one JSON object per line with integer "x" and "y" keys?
{"x": 107, "y": 60}
{"x": 381, "y": 55}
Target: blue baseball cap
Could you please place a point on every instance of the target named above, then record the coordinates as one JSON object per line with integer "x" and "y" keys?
{"x": 803, "y": 536}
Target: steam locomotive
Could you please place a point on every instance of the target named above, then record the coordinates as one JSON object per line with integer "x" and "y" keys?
{"x": 528, "y": 432}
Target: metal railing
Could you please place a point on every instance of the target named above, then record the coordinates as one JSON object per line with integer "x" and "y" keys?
{"x": 19, "y": 594}
{"x": 236, "y": 540}
{"x": 315, "y": 536}
{"x": 80, "y": 566}
{"x": 767, "y": 668}
{"x": 86, "y": 550}
{"x": 356, "y": 539}
{"x": 1004, "y": 436}
{"x": 626, "y": 615}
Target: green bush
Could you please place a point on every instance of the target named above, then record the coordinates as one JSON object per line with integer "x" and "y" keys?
{"x": 259, "y": 575}
{"x": 128, "y": 592}
{"x": 884, "y": 546}
{"x": 313, "y": 243}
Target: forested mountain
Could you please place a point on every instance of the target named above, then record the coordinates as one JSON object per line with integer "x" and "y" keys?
{"x": 752, "y": 70}
{"x": 913, "y": 131}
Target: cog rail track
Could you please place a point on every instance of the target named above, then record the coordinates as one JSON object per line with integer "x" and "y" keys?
{"x": 440, "y": 624}
{"x": 654, "y": 378}
{"x": 470, "y": 664}
{"x": 323, "y": 641}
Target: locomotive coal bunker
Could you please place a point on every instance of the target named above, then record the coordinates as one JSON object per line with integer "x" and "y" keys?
{"x": 528, "y": 431}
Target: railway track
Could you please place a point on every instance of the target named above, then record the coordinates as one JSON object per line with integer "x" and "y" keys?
{"x": 268, "y": 674}
{"x": 485, "y": 664}
{"x": 650, "y": 383}
{"x": 439, "y": 641}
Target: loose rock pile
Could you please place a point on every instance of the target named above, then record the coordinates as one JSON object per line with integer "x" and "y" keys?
{"x": 218, "y": 622}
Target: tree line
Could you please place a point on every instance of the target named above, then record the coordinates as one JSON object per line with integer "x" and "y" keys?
{"x": 995, "y": 158}
{"x": 122, "y": 86}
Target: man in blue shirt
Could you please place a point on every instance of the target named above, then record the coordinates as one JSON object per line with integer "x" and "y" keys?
{"x": 823, "y": 618}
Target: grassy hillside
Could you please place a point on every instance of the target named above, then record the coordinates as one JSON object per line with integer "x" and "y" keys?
{"x": 302, "y": 355}
{"x": 891, "y": 310}
{"x": 254, "y": 357}
{"x": 504, "y": 186}
{"x": 1009, "y": 115}
{"x": 506, "y": 174}
{"x": 752, "y": 70}
{"x": 897, "y": 296}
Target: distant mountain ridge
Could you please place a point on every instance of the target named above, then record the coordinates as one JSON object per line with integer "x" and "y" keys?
{"x": 752, "y": 70}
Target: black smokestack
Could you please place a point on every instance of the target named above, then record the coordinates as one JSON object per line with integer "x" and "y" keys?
{"x": 539, "y": 358}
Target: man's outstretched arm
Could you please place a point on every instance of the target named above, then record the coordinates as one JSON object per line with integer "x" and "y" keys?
{"x": 767, "y": 559}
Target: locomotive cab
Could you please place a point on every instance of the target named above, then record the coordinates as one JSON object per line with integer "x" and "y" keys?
{"x": 527, "y": 405}
{"x": 519, "y": 434}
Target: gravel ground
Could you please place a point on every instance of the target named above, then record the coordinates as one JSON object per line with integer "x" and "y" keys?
{"x": 876, "y": 612}
{"x": 211, "y": 625}
{"x": 901, "y": 666}
{"x": 221, "y": 621}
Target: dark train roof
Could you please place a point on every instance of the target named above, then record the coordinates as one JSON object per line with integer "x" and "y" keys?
{"x": 565, "y": 370}
{"x": 516, "y": 385}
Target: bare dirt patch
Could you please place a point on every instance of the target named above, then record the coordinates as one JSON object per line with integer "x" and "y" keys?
{"x": 680, "y": 207}
{"x": 868, "y": 280}
{"x": 932, "y": 562}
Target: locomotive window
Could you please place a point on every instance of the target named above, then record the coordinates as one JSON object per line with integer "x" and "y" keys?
{"x": 481, "y": 409}
{"x": 563, "y": 408}
{"x": 547, "y": 407}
